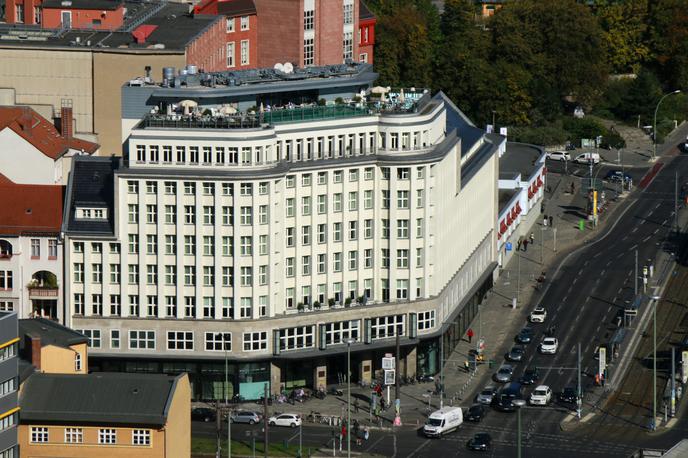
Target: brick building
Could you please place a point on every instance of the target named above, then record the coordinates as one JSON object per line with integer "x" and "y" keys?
{"x": 366, "y": 34}
{"x": 69, "y": 14}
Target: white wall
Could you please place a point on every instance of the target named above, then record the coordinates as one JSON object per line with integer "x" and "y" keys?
{"x": 22, "y": 163}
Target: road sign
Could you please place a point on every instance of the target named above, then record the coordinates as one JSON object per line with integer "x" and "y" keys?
{"x": 602, "y": 360}
{"x": 389, "y": 376}
{"x": 388, "y": 363}
{"x": 509, "y": 246}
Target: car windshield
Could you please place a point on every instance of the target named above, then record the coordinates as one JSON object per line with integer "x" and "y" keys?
{"x": 504, "y": 370}
{"x": 540, "y": 392}
{"x": 549, "y": 341}
{"x": 434, "y": 422}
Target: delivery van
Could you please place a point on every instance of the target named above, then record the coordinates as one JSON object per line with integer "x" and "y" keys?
{"x": 443, "y": 421}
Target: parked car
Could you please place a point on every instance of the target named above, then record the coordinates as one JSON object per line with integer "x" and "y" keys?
{"x": 203, "y": 414}
{"x": 245, "y": 416}
{"x": 516, "y": 353}
{"x": 486, "y": 395}
{"x": 538, "y": 315}
{"x": 615, "y": 176}
{"x": 525, "y": 336}
{"x": 568, "y": 395}
{"x": 530, "y": 376}
{"x": 585, "y": 158}
{"x": 503, "y": 404}
{"x": 475, "y": 413}
{"x": 504, "y": 374}
{"x": 558, "y": 156}
{"x": 509, "y": 398}
{"x": 286, "y": 419}
{"x": 541, "y": 396}
{"x": 549, "y": 346}
{"x": 479, "y": 442}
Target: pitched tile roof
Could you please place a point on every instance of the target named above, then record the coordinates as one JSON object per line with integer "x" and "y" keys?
{"x": 98, "y": 398}
{"x": 40, "y": 132}
{"x": 30, "y": 208}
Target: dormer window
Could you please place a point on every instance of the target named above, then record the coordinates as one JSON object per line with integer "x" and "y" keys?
{"x": 91, "y": 213}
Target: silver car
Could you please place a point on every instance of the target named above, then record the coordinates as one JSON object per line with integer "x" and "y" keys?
{"x": 245, "y": 416}
{"x": 486, "y": 395}
{"x": 504, "y": 374}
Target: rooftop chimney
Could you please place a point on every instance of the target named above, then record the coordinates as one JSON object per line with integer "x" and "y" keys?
{"x": 33, "y": 345}
{"x": 25, "y": 120}
{"x": 67, "y": 119}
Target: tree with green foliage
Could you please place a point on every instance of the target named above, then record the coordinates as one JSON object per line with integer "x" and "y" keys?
{"x": 641, "y": 98}
{"x": 624, "y": 25}
{"x": 668, "y": 30}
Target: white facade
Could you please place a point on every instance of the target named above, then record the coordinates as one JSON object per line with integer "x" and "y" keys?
{"x": 237, "y": 230}
{"x": 31, "y": 275}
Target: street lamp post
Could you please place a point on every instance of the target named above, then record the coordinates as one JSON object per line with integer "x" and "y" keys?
{"x": 654, "y": 362}
{"x": 222, "y": 336}
{"x": 654, "y": 124}
{"x": 348, "y": 398}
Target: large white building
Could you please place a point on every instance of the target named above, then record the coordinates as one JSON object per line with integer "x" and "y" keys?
{"x": 253, "y": 213}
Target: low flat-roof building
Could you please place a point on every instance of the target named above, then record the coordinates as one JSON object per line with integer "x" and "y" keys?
{"x": 105, "y": 414}
{"x": 52, "y": 348}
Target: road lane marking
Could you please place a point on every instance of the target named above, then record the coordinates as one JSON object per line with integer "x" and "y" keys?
{"x": 647, "y": 238}
{"x": 634, "y": 229}
{"x": 633, "y": 247}
{"x": 602, "y": 273}
{"x": 656, "y": 230}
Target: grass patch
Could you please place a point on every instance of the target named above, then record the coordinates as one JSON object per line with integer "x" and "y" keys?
{"x": 203, "y": 446}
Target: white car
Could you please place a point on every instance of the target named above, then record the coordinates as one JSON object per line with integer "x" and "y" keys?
{"x": 585, "y": 158}
{"x": 286, "y": 419}
{"x": 549, "y": 345}
{"x": 541, "y": 396}
{"x": 538, "y": 315}
{"x": 558, "y": 156}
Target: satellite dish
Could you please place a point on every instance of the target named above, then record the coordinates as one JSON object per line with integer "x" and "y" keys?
{"x": 288, "y": 68}
{"x": 279, "y": 67}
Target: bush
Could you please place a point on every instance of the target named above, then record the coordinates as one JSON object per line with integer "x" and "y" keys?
{"x": 338, "y": 100}
{"x": 547, "y": 135}
{"x": 322, "y": 102}
{"x": 583, "y": 128}
{"x": 612, "y": 139}
{"x": 330, "y": 302}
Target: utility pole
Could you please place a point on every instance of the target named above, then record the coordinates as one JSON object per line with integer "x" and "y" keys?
{"x": 654, "y": 365}
{"x": 676, "y": 203}
{"x": 518, "y": 278}
{"x": 519, "y": 433}
{"x": 442, "y": 368}
{"x": 635, "y": 288}
{"x": 218, "y": 427}
{"x": 265, "y": 421}
{"x": 397, "y": 378}
{"x": 654, "y": 125}
{"x": 554, "y": 230}
{"x": 348, "y": 397}
{"x": 480, "y": 328}
{"x": 579, "y": 400}
{"x": 673, "y": 381}
{"x": 542, "y": 244}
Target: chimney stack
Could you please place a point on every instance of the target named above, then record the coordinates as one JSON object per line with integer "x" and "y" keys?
{"x": 33, "y": 345}
{"x": 25, "y": 120}
{"x": 66, "y": 119}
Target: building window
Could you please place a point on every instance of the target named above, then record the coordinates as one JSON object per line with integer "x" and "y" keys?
{"x": 114, "y": 338}
{"x": 35, "y": 248}
{"x": 19, "y": 9}
{"x": 6, "y": 306}
{"x": 77, "y": 362}
{"x": 93, "y": 336}
{"x": 244, "y": 22}
{"x": 38, "y": 14}
{"x": 180, "y": 340}
{"x": 363, "y": 57}
{"x": 348, "y": 45}
{"x": 244, "y": 52}
{"x": 402, "y": 228}
{"x": 230, "y": 24}
{"x": 231, "y": 62}
{"x": 402, "y": 289}
{"x": 255, "y": 341}
{"x": 246, "y": 307}
{"x": 39, "y": 435}
{"x": 402, "y": 199}
{"x": 402, "y": 259}
{"x": 52, "y": 249}
{"x": 387, "y": 326}
{"x": 309, "y": 20}
{"x": 74, "y": 435}
{"x": 348, "y": 12}
{"x": 107, "y": 436}
{"x": 308, "y": 52}
{"x": 297, "y": 338}
{"x": 8, "y": 352}
{"x": 426, "y": 320}
{"x": 141, "y": 437}
{"x": 142, "y": 340}
{"x": 214, "y": 341}
{"x": 6, "y": 277}
{"x": 341, "y": 332}
{"x": 7, "y": 387}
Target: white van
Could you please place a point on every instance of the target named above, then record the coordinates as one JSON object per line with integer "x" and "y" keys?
{"x": 585, "y": 158}
{"x": 443, "y": 421}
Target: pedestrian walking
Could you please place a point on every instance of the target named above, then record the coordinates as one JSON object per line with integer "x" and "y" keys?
{"x": 470, "y": 335}
{"x": 573, "y": 187}
{"x": 356, "y": 406}
{"x": 366, "y": 433}
{"x": 532, "y": 237}
{"x": 551, "y": 221}
{"x": 520, "y": 241}
{"x": 466, "y": 366}
{"x": 382, "y": 403}
{"x": 544, "y": 221}
{"x": 525, "y": 245}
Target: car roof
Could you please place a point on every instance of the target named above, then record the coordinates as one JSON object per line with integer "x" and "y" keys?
{"x": 542, "y": 387}
{"x": 549, "y": 339}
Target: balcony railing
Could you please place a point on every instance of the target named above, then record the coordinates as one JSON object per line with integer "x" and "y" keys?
{"x": 43, "y": 292}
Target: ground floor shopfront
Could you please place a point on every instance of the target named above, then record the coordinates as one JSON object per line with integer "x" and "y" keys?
{"x": 313, "y": 369}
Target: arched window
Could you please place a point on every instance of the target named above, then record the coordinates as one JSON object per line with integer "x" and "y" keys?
{"x": 77, "y": 362}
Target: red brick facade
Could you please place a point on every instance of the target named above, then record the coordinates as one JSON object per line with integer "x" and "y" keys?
{"x": 84, "y": 19}
{"x": 366, "y": 40}
{"x": 32, "y": 12}
{"x": 207, "y": 51}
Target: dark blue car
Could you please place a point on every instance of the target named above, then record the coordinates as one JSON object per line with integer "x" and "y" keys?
{"x": 614, "y": 176}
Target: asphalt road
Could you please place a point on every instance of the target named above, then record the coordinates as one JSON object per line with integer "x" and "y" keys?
{"x": 582, "y": 299}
